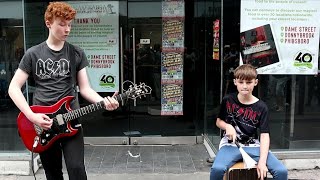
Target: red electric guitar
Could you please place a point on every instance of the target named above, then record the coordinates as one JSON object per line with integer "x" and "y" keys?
{"x": 38, "y": 140}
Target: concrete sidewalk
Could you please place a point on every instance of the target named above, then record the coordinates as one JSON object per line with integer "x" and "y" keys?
{"x": 186, "y": 162}
{"x": 192, "y": 176}
{"x": 313, "y": 174}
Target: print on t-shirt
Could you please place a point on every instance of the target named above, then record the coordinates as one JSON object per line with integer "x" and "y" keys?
{"x": 244, "y": 117}
{"x": 52, "y": 69}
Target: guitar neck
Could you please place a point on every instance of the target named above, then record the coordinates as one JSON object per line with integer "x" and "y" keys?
{"x": 74, "y": 114}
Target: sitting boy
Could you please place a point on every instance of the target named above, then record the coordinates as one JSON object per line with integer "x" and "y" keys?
{"x": 241, "y": 114}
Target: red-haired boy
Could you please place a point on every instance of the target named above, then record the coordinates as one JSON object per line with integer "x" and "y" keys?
{"x": 50, "y": 64}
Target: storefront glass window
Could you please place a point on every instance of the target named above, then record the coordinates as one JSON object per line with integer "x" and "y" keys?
{"x": 293, "y": 99}
{"x": 11, "y": 51}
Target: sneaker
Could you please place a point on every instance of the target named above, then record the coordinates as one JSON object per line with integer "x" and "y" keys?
{"x": 210, "y": 160}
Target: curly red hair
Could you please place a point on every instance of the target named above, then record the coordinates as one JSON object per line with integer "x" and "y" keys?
{"x": 59, "y": 9}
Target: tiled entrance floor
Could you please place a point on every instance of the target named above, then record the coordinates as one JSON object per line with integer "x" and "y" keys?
{"x": 177, "y": 159}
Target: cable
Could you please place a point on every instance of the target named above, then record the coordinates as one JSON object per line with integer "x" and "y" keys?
{"x": 35, "y": 144}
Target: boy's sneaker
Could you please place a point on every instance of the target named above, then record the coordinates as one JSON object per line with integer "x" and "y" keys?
{"x": 210, "y": 160}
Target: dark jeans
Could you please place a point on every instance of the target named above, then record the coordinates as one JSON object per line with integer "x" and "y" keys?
{"x": 73, "y": 150}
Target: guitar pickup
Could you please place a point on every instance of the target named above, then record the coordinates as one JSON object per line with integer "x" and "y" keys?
{"x": 60, "y": 119}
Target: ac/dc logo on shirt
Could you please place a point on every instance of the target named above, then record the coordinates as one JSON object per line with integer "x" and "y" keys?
{"x": 243, "y": 113}
{"x": 49, "y": 69}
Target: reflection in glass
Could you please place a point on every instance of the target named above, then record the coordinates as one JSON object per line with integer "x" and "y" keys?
{"x": 11, "y": 51}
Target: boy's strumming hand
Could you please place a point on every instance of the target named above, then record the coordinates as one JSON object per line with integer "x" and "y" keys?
{"x": 41, "y": 120}
{"x": 262, "y": 170}
{"x": 110, "y": 103}
{"x": 231, "y": 132}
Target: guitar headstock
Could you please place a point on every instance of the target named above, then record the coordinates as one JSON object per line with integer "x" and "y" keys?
{"x": 134, "y": 91}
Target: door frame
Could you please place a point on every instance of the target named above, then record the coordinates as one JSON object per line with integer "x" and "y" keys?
{"x": 125, "y": 43}
{"x": 146, "y": 140}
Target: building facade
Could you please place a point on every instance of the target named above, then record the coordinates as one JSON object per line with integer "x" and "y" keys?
{"x": 184, "y": 51}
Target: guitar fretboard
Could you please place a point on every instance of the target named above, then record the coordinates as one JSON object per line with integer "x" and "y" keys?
{"x": 74, "y": 114}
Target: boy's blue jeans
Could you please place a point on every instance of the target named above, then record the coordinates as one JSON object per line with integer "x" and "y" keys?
{"x": 229, "y": 155}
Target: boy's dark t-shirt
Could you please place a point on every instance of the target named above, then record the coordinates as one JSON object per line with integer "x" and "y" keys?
{"x": 51, "y": 71}
{"x": 246, "y": 119}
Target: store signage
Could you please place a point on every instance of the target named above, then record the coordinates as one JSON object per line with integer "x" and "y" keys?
{"x": 280, "y": 37}
{"x": 96, "y": 30}
{"x": 144, "y": 41}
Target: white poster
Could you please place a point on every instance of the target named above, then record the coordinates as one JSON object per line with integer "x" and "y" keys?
{"x": 280, "y": 36}
{"x": 96, "y": 30}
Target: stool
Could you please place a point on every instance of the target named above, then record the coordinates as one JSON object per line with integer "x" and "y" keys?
{"x": 239, "y": 172}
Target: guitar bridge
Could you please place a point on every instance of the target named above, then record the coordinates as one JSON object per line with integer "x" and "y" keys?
{"x": 60, "y": 119}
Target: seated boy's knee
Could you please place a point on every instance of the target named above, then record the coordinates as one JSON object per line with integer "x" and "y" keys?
{"x": 218, "y": 168}
{"x": 279, "y": 171}
{"x": 217, "y": 172}
{"x": 282, "y": 170}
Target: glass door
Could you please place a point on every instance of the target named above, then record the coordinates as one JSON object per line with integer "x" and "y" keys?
{"x": 148, "y": 39}
{"x": 142, "y": 58}
{"x": 155, "y": 50}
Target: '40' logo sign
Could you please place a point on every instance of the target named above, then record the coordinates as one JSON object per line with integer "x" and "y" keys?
{"x": 107, "y": 81}
{"x": 303, "y": 59}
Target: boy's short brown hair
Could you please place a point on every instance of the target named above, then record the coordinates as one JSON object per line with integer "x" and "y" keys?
{"x": 245, "y": 72}
{"x": 59, "y": 9}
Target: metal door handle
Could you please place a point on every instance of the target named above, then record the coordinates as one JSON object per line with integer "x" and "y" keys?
{"x": 121, "y": 63}
{"x": 134, "y": 60}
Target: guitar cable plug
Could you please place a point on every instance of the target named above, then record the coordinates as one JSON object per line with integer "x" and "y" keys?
{"x": 35, "y": 141}
{"x": 35, "y": 144}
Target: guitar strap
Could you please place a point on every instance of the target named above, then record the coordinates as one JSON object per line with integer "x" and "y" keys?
{"x": 73, "y": 67}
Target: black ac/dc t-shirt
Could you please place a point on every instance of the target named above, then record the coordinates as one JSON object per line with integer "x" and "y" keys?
{"x": 51, "y": 71}
{"x": 246, "y": 119}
